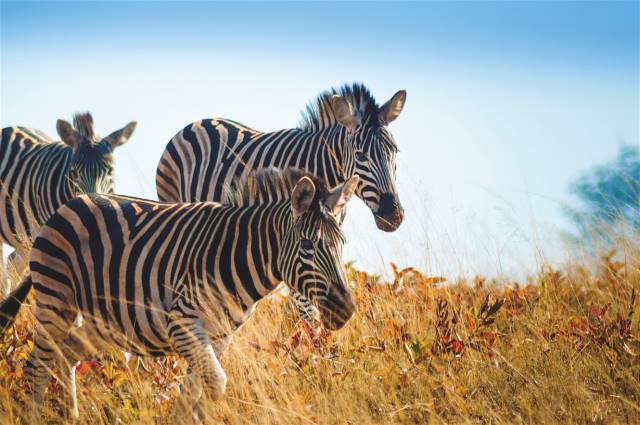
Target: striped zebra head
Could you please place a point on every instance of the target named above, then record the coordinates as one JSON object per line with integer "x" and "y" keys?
{"x": 368, "y": 149}
{"x": 91, "y": 169}
{"x": 311, "y": 257}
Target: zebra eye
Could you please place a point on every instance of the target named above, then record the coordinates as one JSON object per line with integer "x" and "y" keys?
{"x": 306, "y": 244}
{"x": 361, "y": 156}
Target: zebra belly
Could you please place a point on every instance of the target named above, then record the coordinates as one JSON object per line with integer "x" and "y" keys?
{"x": 100, "y": 324}
{"x": 147, "y": 333}
{"x": 99, "y": 334}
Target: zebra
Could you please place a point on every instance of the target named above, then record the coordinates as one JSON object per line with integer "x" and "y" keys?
{"x": 342, "y": 132}
{"x": 38, "y": 175}
{"x": 156, "y": 278}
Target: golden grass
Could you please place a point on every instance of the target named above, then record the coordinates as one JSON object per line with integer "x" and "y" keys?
{"x": 562, "y": 347}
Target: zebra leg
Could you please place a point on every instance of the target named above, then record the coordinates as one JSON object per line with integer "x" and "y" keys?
{"x": 71, "y": 379}
{"x": 16, "y": 264}
{"x": 5, "y": 287}
{"x": 67, "y": 380}
{"x": 220, "y": 345}
{"x": 7, "y": 270}
{"x": 73, "y": 350}
{"x": 191, "y": 341}
{"x": 193, "y": 397}
{"x": 38, "y": 370}
{"x": 52, "y": 327}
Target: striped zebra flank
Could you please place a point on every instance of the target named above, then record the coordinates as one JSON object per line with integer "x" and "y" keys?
{"x": 38, "y": 175}
{"x": 155, "y": 278}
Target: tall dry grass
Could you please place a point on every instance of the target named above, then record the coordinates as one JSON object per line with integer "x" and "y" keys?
{"x": 561, "y": 347}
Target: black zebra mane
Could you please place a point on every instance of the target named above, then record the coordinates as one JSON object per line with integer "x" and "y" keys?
{"x": 270, "y": 185}
{"x": 318, "y": 114}
{"x": 83, "y": 123}
{"x": 273, "y": 185}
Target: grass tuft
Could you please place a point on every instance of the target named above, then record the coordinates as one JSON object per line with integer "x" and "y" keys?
{"x": 561, "y": 347}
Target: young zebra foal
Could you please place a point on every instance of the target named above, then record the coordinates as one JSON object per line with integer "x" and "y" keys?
{"x": 156, "y": 278}
{"x": 38, "y": 175}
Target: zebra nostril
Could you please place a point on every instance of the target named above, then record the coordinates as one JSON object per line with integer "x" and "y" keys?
{"x": 387, "y": 205}
{"x": 390, "y": 214}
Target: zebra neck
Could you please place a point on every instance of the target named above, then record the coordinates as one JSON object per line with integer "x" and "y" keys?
{"x": 55, "y": 187}
{"x": 65, "y": 186}
{"x": 249, "y": 257}
{"x": 320, "y": 152}
{"x": 276, "y": 224}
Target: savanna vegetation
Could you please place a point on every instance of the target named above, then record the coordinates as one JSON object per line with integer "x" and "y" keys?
{"x": 562, "y": 346}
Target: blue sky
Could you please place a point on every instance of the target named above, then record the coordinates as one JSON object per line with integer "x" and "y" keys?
{"x": 507, "y": 102}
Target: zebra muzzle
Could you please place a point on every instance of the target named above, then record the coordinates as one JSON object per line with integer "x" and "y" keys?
{"x": 390, "y": 213}
{"x": 336, "y": 311}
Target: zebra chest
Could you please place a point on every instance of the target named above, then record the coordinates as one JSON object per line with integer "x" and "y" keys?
{"x": 134, "y": 334}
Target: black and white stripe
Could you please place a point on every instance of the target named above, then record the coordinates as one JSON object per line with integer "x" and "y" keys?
{"x": 157, "y": 278}
{"x": 38, "y": 175}
{"x": 343, "y": 132}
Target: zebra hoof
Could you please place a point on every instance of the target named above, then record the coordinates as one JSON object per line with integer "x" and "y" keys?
{"x": 74, "y": 414}
{"x": 197, "y": 417}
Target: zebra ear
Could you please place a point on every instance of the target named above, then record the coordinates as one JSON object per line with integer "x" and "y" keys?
{"x": 344, "y": 112}
{"x": 302, "y": 196}
{"x": 120, "y": 137}
{"x": 391, "y": 110}
{"x": 341, "y": 194}
{"x": 67, "y": 133}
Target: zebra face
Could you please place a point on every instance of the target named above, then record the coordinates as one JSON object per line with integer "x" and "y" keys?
{"x": 313, "y": 250}
{"x": 374, "y": 159}
{"x": 371, "y": 154}
{"x": 91, "y": 169}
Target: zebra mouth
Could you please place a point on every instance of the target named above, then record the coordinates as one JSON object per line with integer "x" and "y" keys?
{"x": 389, "y": 214}
{"x": 333, "y": 321}
{"x": 335, "y": 315}
{"x": 389, "y": 222}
